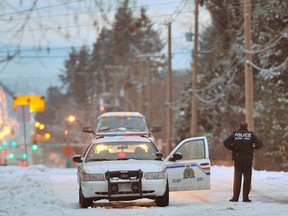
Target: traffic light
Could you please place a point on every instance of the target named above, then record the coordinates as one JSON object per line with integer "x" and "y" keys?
{"x": 10, "y": 155}
{"x": 24, "y": 156}
{"x": 34, "y": 146}
{"x": 14, "y": 143}
{"x": 5, "y": 144}
{"x": 23, "y": 163}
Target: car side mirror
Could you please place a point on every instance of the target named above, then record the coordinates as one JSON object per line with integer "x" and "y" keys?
{"x": 88, "y": 130}
{"x": 156, "y": 129}
{"x": 176, "y": 156}
{"x": 77, "y": 158}
{"x": 159, "y": 155}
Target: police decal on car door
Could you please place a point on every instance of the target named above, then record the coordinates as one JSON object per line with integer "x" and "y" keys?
{"x": 188, "y": 165}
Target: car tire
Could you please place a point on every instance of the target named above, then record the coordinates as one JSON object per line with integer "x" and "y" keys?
{"x": 84, "y": 202}
{"x": 163, "y": 201}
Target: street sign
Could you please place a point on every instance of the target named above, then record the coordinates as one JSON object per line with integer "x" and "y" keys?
{"x": 36, "y": 102}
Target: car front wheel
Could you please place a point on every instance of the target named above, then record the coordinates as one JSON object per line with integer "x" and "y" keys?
{"x": 84, "y": 202}
{"x": 163, "y": 201}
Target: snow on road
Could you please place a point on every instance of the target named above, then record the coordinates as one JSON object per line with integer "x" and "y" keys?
{"x": 38, "y": 190}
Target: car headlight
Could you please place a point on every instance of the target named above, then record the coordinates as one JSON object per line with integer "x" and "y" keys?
{"x": 154, "y": 175}
{"x": 92, "y": 177}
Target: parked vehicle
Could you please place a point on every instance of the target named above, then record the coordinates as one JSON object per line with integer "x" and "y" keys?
{"x": 122, "y": 123}
{"x": 131, "y": 167}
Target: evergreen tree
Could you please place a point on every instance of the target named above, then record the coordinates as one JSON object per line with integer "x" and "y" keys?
{"x": 108, "y": 68}
{"x": 76, "y": 76}
{"x": 221, "y": 91}
{"x": 117, "y": 57}
{"x": 270, "y": 52}
{"x": 54, "y": 115}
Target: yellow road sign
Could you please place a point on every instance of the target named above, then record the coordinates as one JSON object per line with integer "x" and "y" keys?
{"x": 36, "y": 102}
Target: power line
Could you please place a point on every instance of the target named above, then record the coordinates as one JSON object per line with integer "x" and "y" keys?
{"x": 51, "y": 49}
{"x": 212, "y": 85}
{"x": 269, "y": 44}
{"x": 40, "y": 8}
{"x": 177, "y": 12}
{"x": 64, "y": 56}
{"x": 70, "y": 2}
{"x": 235, "y": 4}
{"x": 238, "y": 4}
{"x": 79, "y": 25}
{"x": 283, "y": 64}
{"x": 59, "y": 27}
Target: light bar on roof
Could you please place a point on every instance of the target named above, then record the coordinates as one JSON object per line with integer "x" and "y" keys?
{"x": 121, "y": 114}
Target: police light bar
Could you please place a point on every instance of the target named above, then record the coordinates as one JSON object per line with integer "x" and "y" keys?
{"x": 121, "y": 133}
{"x": 121, "y": 114}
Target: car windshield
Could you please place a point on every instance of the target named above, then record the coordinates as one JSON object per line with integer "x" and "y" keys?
{"x": 117, "y": 123}
{"x": 123, "y": 150}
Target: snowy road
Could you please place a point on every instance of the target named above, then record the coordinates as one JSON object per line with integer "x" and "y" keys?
{"x": 200, "y": 202}
{"x": 38, "y": 190}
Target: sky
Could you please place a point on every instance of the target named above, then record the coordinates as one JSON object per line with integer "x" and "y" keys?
{"x": 40, "y": 190}
{"x": 34, "y": 69}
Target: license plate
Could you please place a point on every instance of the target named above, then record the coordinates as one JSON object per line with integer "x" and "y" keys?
{"x": 124, "y": 187}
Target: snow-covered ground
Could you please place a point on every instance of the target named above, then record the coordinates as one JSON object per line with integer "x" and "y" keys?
{"x": 38, "y": 190}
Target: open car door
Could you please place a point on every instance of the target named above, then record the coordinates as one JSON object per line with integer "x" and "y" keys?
{"x": 188, "y": 165}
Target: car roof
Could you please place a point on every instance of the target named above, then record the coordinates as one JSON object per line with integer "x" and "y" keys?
{"x": 121, "y": 114}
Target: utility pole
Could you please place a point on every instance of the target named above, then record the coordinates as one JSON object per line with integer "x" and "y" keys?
{"x": 143, "y": 99}
{"x": 139, "y": 86}
{"x": 149, "y": 91}
{"x": 194, "y": 104}
{"x": 248, "y": 67}
{"x": 169, "y": 93}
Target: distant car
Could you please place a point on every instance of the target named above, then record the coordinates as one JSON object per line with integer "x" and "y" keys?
{"x": 122, "y": 123}
{"x": 131, "y": 167}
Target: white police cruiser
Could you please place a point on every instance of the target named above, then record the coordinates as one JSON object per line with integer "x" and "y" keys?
{"x": 131, "y": 167}
{"x": 122, "y": 123}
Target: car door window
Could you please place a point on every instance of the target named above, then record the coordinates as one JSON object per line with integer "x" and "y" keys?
{"x": 193, "y": 149}
{"x": 192, "y": 170}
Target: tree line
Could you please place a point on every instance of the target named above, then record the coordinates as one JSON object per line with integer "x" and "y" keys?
{"x": 222, "y": 92}
{"x": 115, "y": 71}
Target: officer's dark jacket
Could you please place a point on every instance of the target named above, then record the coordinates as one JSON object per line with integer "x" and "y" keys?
{"x": 242, "y": 144}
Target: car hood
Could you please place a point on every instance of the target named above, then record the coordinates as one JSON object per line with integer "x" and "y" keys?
{"x": 144, "y": 165}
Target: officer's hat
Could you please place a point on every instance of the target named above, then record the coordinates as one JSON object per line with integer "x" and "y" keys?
{"x": 243, "y": 126}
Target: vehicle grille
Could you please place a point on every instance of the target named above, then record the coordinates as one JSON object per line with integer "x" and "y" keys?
{"x": 124, "y": 182}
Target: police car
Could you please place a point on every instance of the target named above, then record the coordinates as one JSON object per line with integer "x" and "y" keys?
{"x": 121, "y": 123}
{"x": 131, "y": 167}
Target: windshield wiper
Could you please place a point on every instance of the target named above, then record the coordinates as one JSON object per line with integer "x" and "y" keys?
{"x": 132, "y": 129}
{"x": 98, "y": 159}
{"x": 130, "y": 158}
{"x": 105, "y": 129}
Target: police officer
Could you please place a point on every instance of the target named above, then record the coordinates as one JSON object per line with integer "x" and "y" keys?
{"x": 242, "y": 144}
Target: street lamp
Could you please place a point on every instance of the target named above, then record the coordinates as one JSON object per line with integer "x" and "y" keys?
{"x": 71, "y": 118}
